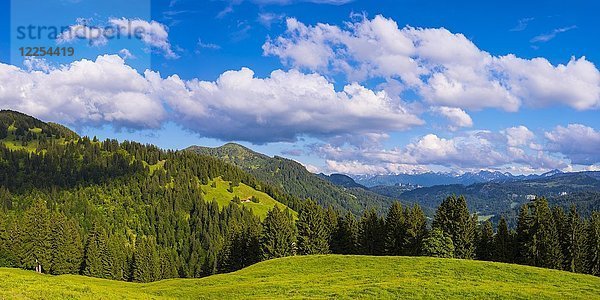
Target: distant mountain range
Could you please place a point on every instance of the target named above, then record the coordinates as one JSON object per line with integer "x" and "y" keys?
{"x": 488, "y": 193}
{"x": 439, "y": 178}
{"x": 494, "y": 198}
{"x": 491, "y": 194}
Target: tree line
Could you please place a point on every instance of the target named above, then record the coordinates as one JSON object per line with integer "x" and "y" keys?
{"x": 214, "y": 241}
{"x": 544, "y": 237}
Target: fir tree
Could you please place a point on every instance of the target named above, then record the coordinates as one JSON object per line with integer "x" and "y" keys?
{"x": 395, "y": 225}
{"x": 485, "y": 241}
{"x": 313, "y": 235}
{"x": 592, "y": 256}
{"x": 346, "y": 235}
{"x": 372, "y": 234}
{"x": 503, "y": 243}
{"x": 438, "y": 244}
{"x": 279, "y": 234}
{"x": 67, "y": 246}
{"x": 453, "y": 218}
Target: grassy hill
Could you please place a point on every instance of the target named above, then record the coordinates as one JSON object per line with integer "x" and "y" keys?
{"x": 217, "y": 190}
{"x": 330, "y": 276}
{"x": 293, "y": 178}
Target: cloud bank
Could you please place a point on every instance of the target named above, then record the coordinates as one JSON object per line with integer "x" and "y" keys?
{"x": 444, "y": 68}
{"x": 237, "y": 106}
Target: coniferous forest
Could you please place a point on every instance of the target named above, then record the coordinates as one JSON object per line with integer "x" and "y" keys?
{"x": 133, "y": 212}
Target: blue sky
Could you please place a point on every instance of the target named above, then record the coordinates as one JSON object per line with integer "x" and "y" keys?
{"x": 509, "y": 86}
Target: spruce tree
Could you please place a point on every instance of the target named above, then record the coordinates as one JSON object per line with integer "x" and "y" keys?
{"x": 36, "y": 238}
{"x": 169, "y": 263}
{"x": 416, "y": 230}
{"x": 395, "y": 235}
{"x": 3, "y": 131}
{"x": 117, "y": 251}
{"x": 146, "y": 260}
{"x": 547, "y": 252}
{"x": 525, "y": 244}
{"x": 503, "y": 243}
{"x": 242, "y": 246}
{"x": 96, "y": 259}
{"x": 331, "y": 223}
{"x": 372, "y": 234}
{"x": 438, "y": 244}
{"x": 5, "y": 199}
{"x": 278, "y": 238}
{"x": 560, "y": 223}
{"x": 313, "y": 235}
{"x": 573, "y": 237}
{"x": 485, "y": 241}
{"x": 592, "y": 255}
{"x": 67, "y": 246}
{"x": 8, "y": 238}
{"x": 346, "y": 236}
{"x": 453, "y": 218}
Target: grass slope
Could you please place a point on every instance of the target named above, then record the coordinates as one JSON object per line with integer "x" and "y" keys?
{"x": 331, "y": 276}
{"x": 244, "y": 192}
{"x": 294, "y": 179}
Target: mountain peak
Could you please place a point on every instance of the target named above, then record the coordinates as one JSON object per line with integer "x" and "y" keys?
{"x": 551, "y": 173}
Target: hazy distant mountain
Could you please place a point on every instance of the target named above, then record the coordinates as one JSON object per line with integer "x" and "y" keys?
{"x": 439, "y": 178}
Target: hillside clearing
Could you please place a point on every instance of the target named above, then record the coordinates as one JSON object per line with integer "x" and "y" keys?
{"x": 217, "y": 189}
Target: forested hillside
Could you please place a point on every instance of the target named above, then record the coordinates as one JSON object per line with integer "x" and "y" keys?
{"x": 118, "y": 210}
{"x": 293, "y": 178}
{"x": 342, "y": 180}
{"x": 133, "y": 212}
{"x": 496, "y": 198}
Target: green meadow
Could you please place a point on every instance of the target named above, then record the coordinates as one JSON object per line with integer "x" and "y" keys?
{"x": 217, "y": 190}
{"x": 325, "y": 276}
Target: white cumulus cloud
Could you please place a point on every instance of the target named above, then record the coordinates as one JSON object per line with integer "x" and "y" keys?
{"x": 281, "y": 107}
{"x": 456, "y": 116}
{"x": 445, "y": 68}
{"x": 84, "y": 92}
{"x": 285, "y": 106}
{"x": 577, "y": 142}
